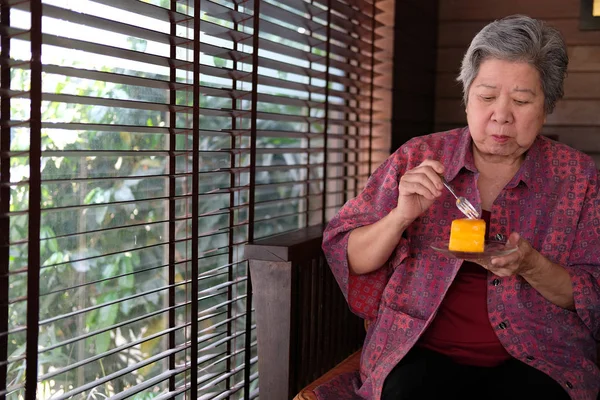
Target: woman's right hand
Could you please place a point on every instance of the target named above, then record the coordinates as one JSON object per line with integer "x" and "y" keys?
{"x": 418, "y": 189}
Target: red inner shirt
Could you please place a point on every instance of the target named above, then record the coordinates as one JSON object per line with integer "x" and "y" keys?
{"x": 461, "y": 329}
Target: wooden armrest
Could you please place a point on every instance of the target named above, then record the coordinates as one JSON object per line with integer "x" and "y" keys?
{"x": 350, "y": 364}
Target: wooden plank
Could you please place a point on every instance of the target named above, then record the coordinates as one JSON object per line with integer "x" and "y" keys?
{"x": 584, "y": 58}
{"x": 460, "y": 10}
{"x": 581, "y": 59}
{"x": 450, "y": 112}
{"x": 289, "y": 246}
{"x": 417, "y": 21}
{"x": 446, "y": 86}
{"x": 415, "y": 55}
{"x": 417, "y": 83}
{"x": 576, "y": 112}
{"x": 414, "y": 70}
{"x": 272, "y": 299}
{"x": 449, "y": 60}
{"x": 578, "y": 85}
{"x": 586, "y": 139}
{"x": 582, "y": 85}
{"x": 417, "y": 110}
{"x": 460, "y": 33}
{"x": 447, "y": 127}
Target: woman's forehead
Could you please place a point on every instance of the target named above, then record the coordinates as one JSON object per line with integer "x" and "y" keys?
{"x": 517, "y": 76}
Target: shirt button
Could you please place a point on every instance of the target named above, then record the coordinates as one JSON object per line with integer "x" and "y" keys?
{"x": 502, "y": 325}
{"x": 499, "y": 236}
{"x": 496, "y": 282}
{"x": 530, "y": 358}
{"x": 569, "y": 385}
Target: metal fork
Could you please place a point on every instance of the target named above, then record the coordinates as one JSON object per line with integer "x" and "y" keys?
{"x": 462, "y": 204}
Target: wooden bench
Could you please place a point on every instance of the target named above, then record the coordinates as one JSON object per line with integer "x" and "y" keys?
{"x": 304, "y": 325}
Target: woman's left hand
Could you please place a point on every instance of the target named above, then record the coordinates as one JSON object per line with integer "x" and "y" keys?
{"x": 551, "y": 280}
{"x": 521, "y": 262}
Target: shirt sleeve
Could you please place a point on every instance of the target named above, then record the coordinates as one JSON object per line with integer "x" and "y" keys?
{"x": 584, "y": 258}
{"x": 380, "y": 195}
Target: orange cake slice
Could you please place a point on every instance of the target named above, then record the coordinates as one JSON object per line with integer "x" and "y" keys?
{"x": 467, "y": 235}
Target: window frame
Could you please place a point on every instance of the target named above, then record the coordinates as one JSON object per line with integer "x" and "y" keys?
{"x": 352, "y": 158}
{"x": 587, "y": 20}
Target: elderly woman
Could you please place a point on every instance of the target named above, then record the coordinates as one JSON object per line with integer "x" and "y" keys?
{"x": 516, "y": 326}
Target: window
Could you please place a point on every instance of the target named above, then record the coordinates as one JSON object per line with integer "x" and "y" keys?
{"x": 590, "y": 14}
{"x": 143, "y": 144}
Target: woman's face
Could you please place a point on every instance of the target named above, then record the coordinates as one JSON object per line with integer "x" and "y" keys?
{"x": 505, "y": 109}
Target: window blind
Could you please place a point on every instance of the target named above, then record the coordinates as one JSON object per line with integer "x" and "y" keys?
{"x": 143, "y": 144}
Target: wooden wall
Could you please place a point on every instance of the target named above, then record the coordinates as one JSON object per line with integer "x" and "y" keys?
{"x": 415, "y": 51}
{"x": 576, "y": 119}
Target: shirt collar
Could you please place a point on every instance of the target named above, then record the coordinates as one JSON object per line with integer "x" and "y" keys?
{"x": 462, "y": 157}
{"x": 529, "y": 171}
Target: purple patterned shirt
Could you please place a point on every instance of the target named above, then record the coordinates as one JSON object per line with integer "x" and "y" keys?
{"x": 552, "y": 201}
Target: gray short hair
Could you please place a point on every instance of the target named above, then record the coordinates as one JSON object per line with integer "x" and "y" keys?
{"x": 520, "y": 38}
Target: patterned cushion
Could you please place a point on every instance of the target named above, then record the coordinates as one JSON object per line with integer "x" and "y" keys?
{"x": 339, "y": 383}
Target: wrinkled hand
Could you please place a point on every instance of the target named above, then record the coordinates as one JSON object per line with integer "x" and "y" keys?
{"x": 419, "y": 188}
{"x": 521, "y": 262}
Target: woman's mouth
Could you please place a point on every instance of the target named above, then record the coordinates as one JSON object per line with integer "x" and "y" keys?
{"x": 500, "y": 138}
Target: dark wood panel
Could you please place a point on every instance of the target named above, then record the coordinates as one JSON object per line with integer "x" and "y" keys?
{"x": 417, "y": 110}
{"x": 447, "y": 127}
{"x": 416, "y": 9}
{"x": 415, "y": 55}
{"x": 287, "y": 246}
{"x": 272, "y": 299}
{"x": 417, "y": 83}
{"x": 450, "y": 112}
{"x": 582, "y": 85}
{"x": 589, "y": 18}
{"x": 584, "y": 58}
{"x": 567, "y": 112}
{"x": 492, "y": 9}
{"x": 410, "y": 129}
{"x": 448, "y": 60}
{"x": 578, "y": 85}
{"x": 581, "y": 59}
{"x": 460, "y": 33}
{"x": 576, "y": 112}
{"x": 446, "y": 86}
{"x": 405, "y": 60}
{"x": 586, "y": 139}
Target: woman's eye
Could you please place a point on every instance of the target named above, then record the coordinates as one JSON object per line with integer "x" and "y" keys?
{"x": 487, "y": 98}
{"x": 520, "y": 102}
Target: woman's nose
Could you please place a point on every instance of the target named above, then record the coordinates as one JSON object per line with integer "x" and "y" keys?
{"x": 502, "y": 112}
